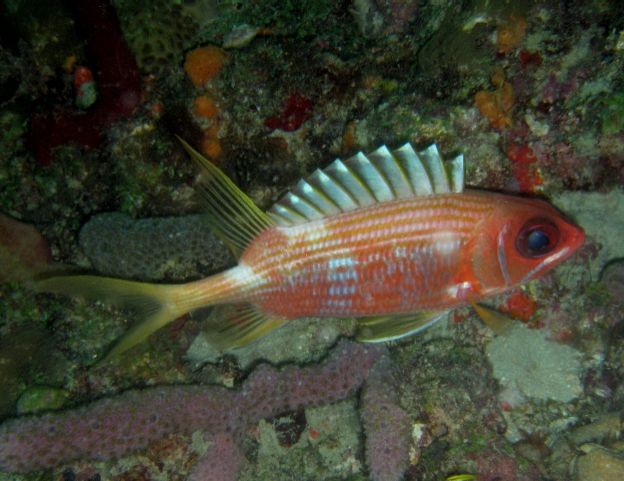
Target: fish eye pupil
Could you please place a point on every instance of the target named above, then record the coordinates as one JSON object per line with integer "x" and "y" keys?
{"x": 537, "y": 240}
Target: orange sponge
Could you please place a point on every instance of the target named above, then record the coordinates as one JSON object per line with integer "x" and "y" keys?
{"x": 203, "y": 63}
{"x": 205, "y": 107}
{"x": 496, "y": 106}
{"x": 511, "y": 34}
{"x": 210, "y": 144}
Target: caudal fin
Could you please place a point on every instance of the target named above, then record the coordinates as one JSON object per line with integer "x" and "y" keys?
{"x": 153, "y": 303}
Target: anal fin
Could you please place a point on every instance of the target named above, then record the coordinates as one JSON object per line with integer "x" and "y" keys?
{"x": 391, "y": 327}
{"x": 236, "y": 325}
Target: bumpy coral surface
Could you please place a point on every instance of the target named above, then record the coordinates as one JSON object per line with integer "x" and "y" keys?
{"x": 112, "y": 427}
{"x": 387, "y": 426}
{"x": 174, "y": 248}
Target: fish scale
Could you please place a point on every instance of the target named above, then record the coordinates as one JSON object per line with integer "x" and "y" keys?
{"x": 390, "y": 238}
{"x": 368, "y": 238}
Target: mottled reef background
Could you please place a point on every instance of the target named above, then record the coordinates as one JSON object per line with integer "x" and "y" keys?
{"x": 91, "y": 95}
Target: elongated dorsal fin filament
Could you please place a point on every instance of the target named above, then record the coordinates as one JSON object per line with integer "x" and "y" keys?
{"x": 232, "y": 215}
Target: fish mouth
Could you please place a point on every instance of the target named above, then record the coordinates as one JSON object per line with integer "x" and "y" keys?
{"x": 577, "y": 237}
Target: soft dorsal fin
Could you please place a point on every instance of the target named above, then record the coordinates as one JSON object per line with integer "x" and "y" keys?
{"x": 232, "y": 215}
{"x": 367, "y": 179}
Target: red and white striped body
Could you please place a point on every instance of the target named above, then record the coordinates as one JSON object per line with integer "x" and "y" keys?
{"x": 396, "y": 257}
{"x": 427, "y": 253}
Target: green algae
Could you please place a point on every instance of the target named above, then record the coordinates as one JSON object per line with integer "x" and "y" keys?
{"x": 36, "y": 399}
{"x": 612, "y": 114}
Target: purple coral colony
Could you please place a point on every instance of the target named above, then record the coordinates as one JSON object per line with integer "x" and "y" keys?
{"x": 91, "y": 95}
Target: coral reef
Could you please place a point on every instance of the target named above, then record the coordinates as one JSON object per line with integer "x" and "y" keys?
{"x": 305, "y": 82}
{"x": 520, "y": 306}
{"x": 386, "y": 425}
{"x": 496, "y": 105}
{"x": 387, "y": 17}
{"x": 167, "y": 248}
{"x": 511, "y": 34}
{"x": 598, "y": 464}
{"x": 157, "y": 33}
{"x": 550, "y": 372}
{"x": 613, "y": 279}
{"x": 589, "y": 209}
{"x": 524, "y": 167}
{"x": 113, "y": 427}
{"x": 26, "y": 354}
{"x": 203, "y": 63}
{"x": 205, "y": 107}
{"x": 296, "y": 111}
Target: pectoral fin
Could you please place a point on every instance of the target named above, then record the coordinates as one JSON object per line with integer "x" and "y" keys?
{"x": 388, "y": 328}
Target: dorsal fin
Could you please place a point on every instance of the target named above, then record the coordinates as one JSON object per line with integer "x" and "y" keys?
{"x": 364, "y": 180}
{"x": 232, "y": 215}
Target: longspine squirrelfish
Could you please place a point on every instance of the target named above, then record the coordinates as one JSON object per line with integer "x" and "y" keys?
{"x": 391, "y": 238}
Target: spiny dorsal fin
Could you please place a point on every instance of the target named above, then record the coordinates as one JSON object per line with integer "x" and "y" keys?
{"x": 364, "y": 180}
{"x": 232, "y": 215}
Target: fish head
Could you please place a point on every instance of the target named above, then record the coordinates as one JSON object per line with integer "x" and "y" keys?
{"x": 520, "y": 240}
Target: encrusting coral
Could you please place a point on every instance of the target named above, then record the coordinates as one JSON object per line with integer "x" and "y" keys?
{"x": 511, "y": 34}
{"x": 203, "y": 63}
{"x": 497, "y": 105}
{"x": 149, "y": 249}
{"x": 386, "y": 425}
{"x": 113, "y": 427}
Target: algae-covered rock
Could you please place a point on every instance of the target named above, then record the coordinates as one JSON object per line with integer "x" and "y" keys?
{"x": 23, "y": 251}
{"x": 599, "y": 464}
{"x": 601, "y": 215}
{"x": 41, "y": 398}
{"x": 537, "y": 367}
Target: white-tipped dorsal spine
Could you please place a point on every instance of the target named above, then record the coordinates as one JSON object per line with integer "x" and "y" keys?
{"x": 364, "y": 180}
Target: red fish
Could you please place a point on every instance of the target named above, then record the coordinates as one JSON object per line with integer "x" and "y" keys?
{"x": 391, "y": 238}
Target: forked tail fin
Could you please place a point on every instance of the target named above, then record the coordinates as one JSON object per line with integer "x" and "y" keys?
{"x": 237, "y": 221}
{"x": 156, "y": 304}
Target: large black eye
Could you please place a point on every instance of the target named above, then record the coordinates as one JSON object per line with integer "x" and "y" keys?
{"x": 537, "y": 238}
